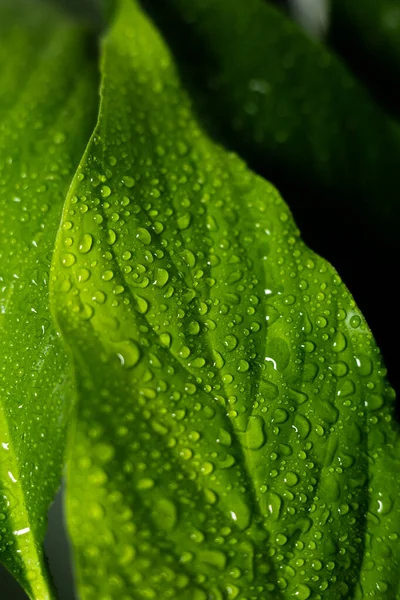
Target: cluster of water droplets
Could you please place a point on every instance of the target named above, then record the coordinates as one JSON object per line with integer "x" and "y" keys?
{"x": 37, "y": 161}
{"x": 228, "y": 383}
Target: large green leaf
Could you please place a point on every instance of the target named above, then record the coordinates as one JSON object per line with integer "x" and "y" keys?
{"x": 47, "y": 104}
{"x": 301, "y": 118}
{"x": 233, "y": 435}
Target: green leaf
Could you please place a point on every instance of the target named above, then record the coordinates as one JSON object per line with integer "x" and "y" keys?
{"x": 303, "y": 121}
{"x": 47, "y": 106}
{"x": 233, "y": 435}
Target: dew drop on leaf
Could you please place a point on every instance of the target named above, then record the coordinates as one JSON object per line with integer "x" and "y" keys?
{"x": 128, "y": 353}
{"x": 85, "y": 243}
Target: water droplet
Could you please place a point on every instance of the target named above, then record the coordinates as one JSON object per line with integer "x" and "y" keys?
{"x": 279, "y": 353}
{"x": 271, "y": 314}
{"x": 215, "y": 558}
{"x": 83, "y": 275}
{"x": 231, "y": 342}
{"x": 197, "y": 536}
{"x": 104, "y": 452}
{"x": 165, "y": 340}
{"x": 59, "y": 137}
{"x": 340, "y": 369}
{"x": 274, "y": 505}
{"x": 184, "y": 221}
{"x": 299, "y": 397}
{"x": 142, "y": 305}
{"x": 269, "y": 389}
{"x": 207, "y": 468}
{"x": 193, "y": 328}
{"x": 197, "y": 363}
{"x": 99, "y": 297}
{"x": 128, "y": 353}
{"x": 339, "y": 342}
{"x": 145, "y": 484}
{"x": 68, "y": 260}
{"x": 302, "y": 425}
{"x": 85, "y": 243}
{"x": 186, "y": 453}
{"x": 346, "y": 388}
{"x": 355, "y": 321}
{"x": 111, "y": 237}
{"x": 162, "y": 277}
{"x": 281, "y": 539}
{"x": 143, "y": 235}
{"x": 302, "y": 592}
{"x": 374, "y": 402}
{"x": 105, "y": 191}
{"x": 165, "y": 514}
{"x": 243, "y": 366}
{"x": 219, "y": 362}
{"x": 158, "y": 227}
{"x": 364, "y": 364}
{"x": 280, "y": 415}
{"x": 128, "y": 181}
{"x": 254, "y": 437}
{"x": 291, "y": 479}
{"x": 107, "y": 275}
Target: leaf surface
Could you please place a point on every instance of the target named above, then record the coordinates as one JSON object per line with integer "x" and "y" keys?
{"x": 233, "y": 427}
{"x": 46, "y": 111}
{"x": 291, "y": 108}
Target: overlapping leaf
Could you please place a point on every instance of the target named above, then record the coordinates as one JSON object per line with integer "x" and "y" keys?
{"x": 47, "y": 101}
{"x": 233, "y": 435}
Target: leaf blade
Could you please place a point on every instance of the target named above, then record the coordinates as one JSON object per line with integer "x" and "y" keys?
{"x": 305, "y": 122}
{"x": 207, "y": 424}
{"x": 45, "y": 113}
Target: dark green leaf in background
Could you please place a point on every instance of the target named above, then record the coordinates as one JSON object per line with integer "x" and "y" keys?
{"x": 367, "y": 34}
{"x": 47, "y": 104}
{"x": 233, "y": 431}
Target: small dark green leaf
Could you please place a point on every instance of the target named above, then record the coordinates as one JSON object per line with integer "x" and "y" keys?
{"x": 233, "y": 434}
{"x": 47, "y": 101}
{"x": 367, "y": 35}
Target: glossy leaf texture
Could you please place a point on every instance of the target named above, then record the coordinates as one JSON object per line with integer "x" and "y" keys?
{"x": 233, "y": 433}
{"x": 47, "y": 109}
{"x": 302, "y": 120}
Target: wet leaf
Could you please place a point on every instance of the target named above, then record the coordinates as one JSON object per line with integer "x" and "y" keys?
{"x": 46, "y": 110}
{"x": 233, "y": 435}
{"x": 301, "y": 118}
